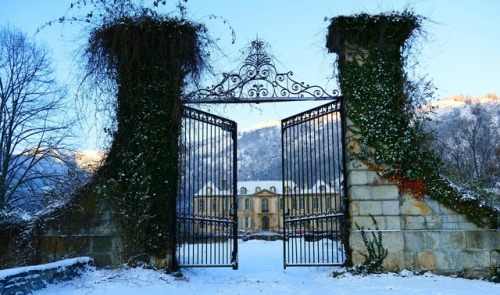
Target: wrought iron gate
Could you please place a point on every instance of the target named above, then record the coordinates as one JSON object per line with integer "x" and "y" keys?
{"x": 206, "y": 202}
{"x": 313, "y": 190}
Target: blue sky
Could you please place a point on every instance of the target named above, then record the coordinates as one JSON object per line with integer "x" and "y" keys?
{"x": 462, "y": 55}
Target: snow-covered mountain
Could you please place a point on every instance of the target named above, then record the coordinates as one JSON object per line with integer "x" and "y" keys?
{"x": 259, "y": 153}
{"x": 465, "y": 107}
{"x": 34, "y": 182}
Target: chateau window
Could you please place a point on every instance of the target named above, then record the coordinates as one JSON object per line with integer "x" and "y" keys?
{"x": 273, "y": 189}
{"x": 301, "y": 203}
{"x": 287, "y": 189}
{"x": 257, "y": 189}
{"x": 214, "y": 205}
{"x": 209, "y": 190}
{"x": 243, "y": 190}
{"x": 247, "y": 204}
{"x": 201, "y": 205}
{"x": 294, "y": 203}
{"x": 322, "y": 188}
{"x": 296, "y": 189}
{"x": 328, "y": 203}
{"x": 315, "y": 204}
{"x": 265, "y": 206}
{"x": 280, "y": 203}
{"x": 247, "y": 222}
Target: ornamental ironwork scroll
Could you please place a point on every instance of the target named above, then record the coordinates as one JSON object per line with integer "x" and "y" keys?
{"x": 259, "y": 81}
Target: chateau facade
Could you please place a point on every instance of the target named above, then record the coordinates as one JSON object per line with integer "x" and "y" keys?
{"x": 261, "y": 204}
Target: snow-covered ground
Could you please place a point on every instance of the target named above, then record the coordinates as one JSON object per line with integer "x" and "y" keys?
{"x": 261, "y": 272}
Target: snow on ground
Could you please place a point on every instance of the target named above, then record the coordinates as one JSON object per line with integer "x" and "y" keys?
{"x": 261, "y": 272}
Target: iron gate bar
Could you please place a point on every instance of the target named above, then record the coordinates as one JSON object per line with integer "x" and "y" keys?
{"x": 311, "y": 141}
{"x": 206, "y": 213}
{"x": 295, "y": 219}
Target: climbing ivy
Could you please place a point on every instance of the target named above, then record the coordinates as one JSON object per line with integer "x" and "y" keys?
{"x": 383, "y": 105}
{"x": 149, "y": 57}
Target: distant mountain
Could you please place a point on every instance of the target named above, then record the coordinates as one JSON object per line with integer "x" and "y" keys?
{"x": 259, "y": 153}
{"x": 464, "y": 106}
{"x": 51, "y": 179}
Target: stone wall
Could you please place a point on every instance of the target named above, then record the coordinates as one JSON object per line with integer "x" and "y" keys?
{"x": 419, "y": 234}
{"x": 87, "y": 229}
{"x": 23, "y": 280}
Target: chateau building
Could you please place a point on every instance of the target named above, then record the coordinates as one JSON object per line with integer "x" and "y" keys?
{"x": 261, "y": 204}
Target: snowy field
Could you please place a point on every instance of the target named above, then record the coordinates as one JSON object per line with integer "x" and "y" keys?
{"x": 261, "y": 272}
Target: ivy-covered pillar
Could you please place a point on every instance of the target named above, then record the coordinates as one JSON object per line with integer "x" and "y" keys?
{"x": 149, "y": 58}
{"x": 371, "y": 77}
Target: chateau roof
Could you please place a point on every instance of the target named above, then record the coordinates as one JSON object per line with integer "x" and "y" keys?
{"x": 255, "y": 186}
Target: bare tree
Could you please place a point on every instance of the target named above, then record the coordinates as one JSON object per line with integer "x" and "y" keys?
{"x": 33, "y": 123}
{"x": 470, "y": 146}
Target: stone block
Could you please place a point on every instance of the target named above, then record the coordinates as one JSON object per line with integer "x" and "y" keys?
{"x": 52, "y": 244}
{"x": 370, "y": 207}
{"x": 391, "y": 223}
{"x": 449, "y": 218}
{"x": 102, "y": 244}
{"x": 393, "y": 241}
{"x": 357, "y": 245}
{"x": 77, "y": 244}
{"x": 451, "y": 226}
{"x": 412, "y": 206}
{"x": 433, "y": 222}
{"x": 476, "y": 240}
{"x": 360, "y": 192}
{"x": 495, "y": 258}
{"x": 37, "y": 284}
{"x": 453, "y": 239}
{"x": 468, "y": 226}
{"x": 357, "y": 258}
{"x": 472, "y": 259}
{"x": 390, "y": 207}
{"x": 414, "y": 240}
{"x": 362, "y": 177}
{"x": 434, "y": 205}
{"x": 366, "y": 222}
{"x": 442, "y": 261}
{"x": 354, "y": 208}
{"x": 385, "y": 192}
{"x": 394, "y": 260}
{"x": 426, "y": 260}
{"x": 453, "y": 258}
{"x": 48, "y": 275}
{"x": 414, "y": 222}
{"x": 410, "y": 260}
{"x": 433, "y": 240}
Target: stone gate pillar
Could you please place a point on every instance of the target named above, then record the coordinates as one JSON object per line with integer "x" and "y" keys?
{"x": 376, "y": 40}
